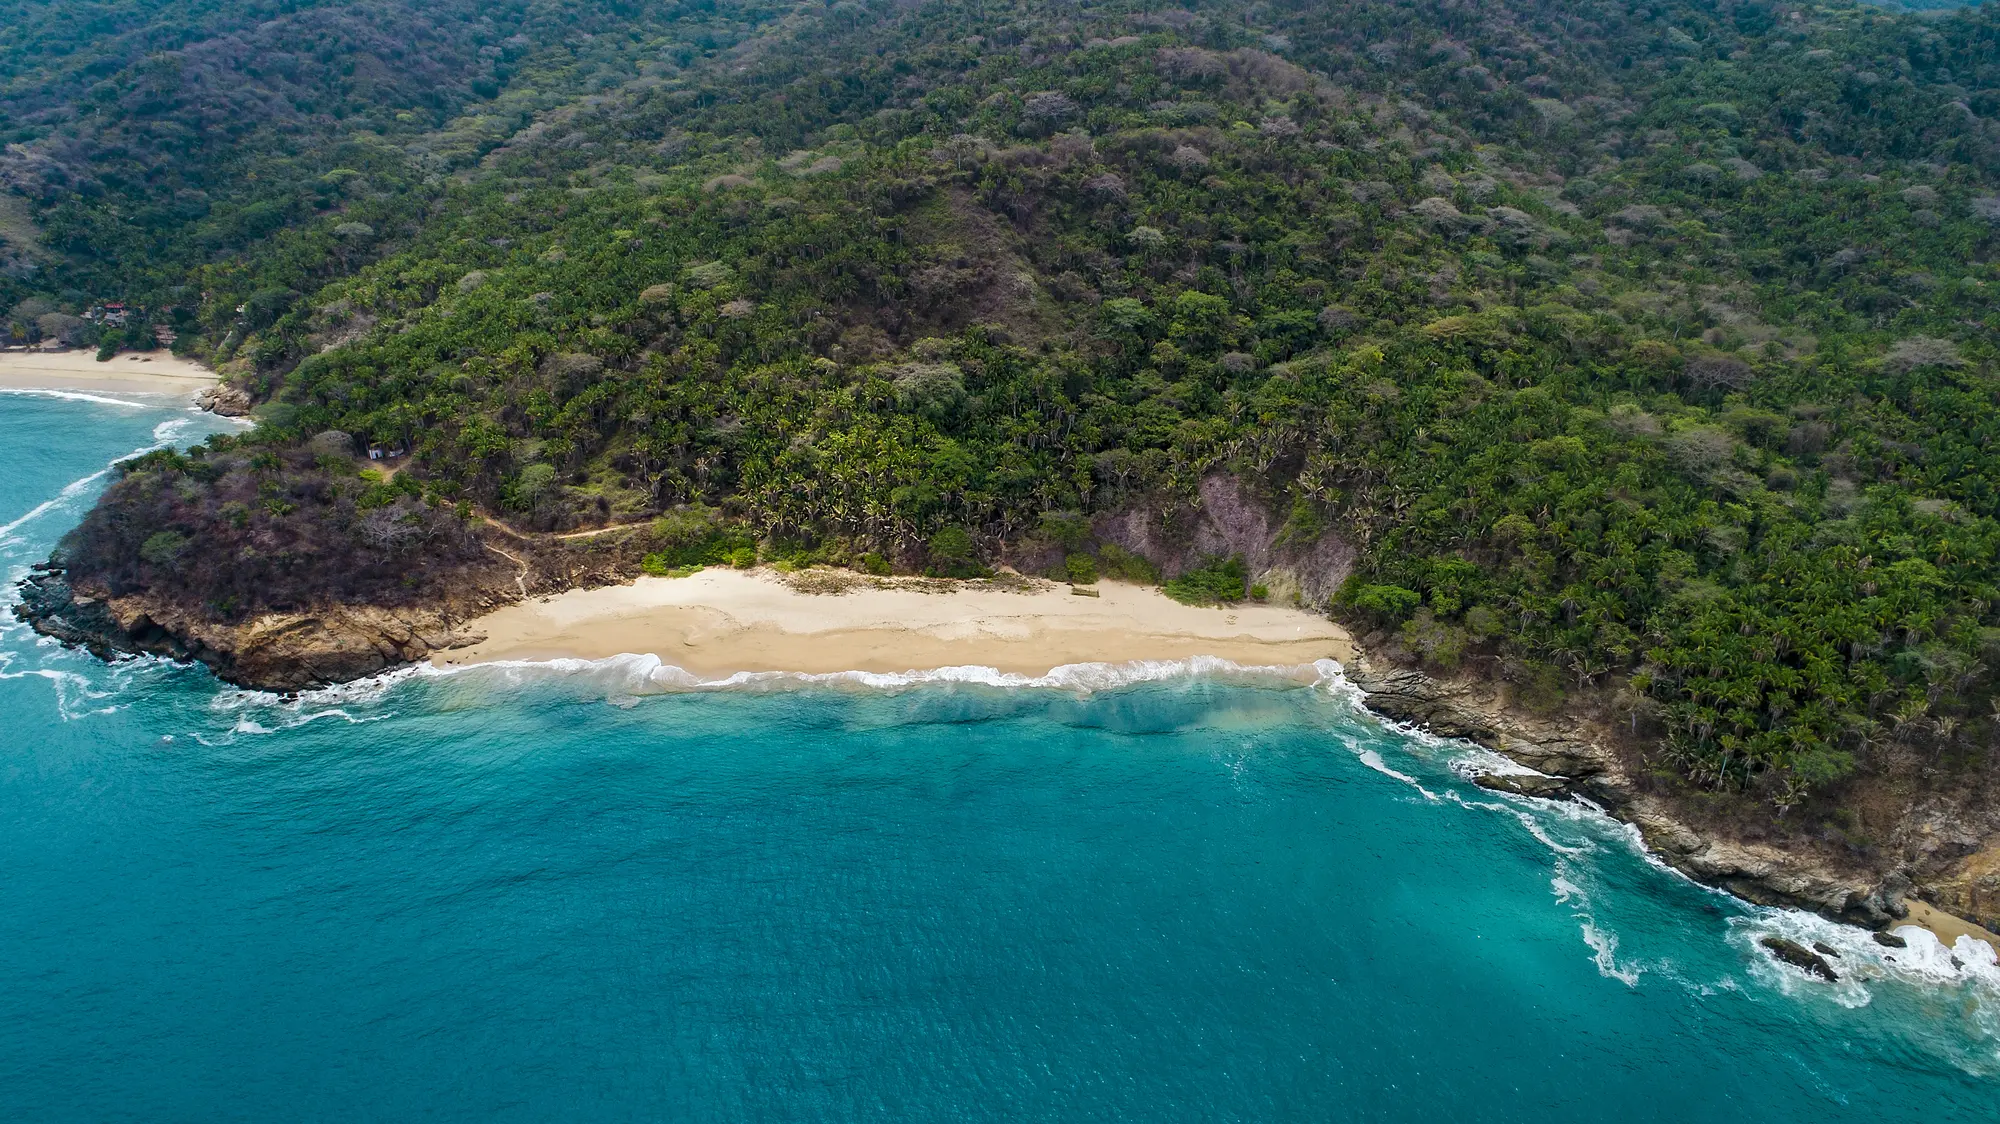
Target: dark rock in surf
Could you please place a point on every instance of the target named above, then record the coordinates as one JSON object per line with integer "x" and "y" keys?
{"x": 1801, "y": 957}
{"x": 1890, "y": 940}
{"x": 1525, "y": 784}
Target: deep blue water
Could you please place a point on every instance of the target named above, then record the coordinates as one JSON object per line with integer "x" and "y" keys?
{"x": 520, "y": 894}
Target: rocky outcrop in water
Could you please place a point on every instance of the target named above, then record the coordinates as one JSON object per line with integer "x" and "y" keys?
{"x": 1801, "y": 957}
{"x": 273, "y": 651}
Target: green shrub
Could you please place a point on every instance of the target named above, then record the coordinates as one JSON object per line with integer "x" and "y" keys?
{"x": 663, "y": 566}
{"x": 952, "y": 543}
{"x": 1082, "y": 569}
{"x": 695, "y": 536}
{"x": 1067, "y": 529}
{"x": 1219, "y": 580}
{"x": 952, "y": 554}
{"x": 535, "y": 484}
{"x": 162, "y": 548}
{"x": 1435, "y": 642}
{"x": 1117, "y": 562}
{"x": 1388, "y": 602}
{"x": 684, "y": 526}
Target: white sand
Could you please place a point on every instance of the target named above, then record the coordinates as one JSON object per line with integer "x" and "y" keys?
{"x": 721, "y": 621}
{"x": 151, "y": 372}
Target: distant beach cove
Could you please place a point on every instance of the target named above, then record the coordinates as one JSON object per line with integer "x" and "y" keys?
{"x": 132, "y": 372}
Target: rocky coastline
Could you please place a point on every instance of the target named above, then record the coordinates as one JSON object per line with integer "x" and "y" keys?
{"x": 1573, "y": 755}
{"x": 280, "y": 652}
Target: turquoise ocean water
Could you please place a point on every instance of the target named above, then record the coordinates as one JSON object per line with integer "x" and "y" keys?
{"x": 589, "y": 893}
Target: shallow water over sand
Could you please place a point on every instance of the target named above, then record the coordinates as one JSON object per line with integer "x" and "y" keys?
{"x": 535, "y": 893}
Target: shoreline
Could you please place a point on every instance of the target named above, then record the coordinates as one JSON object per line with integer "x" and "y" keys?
{"x": 1946, "y": 927}
{"x": 719, "y": 622}
{"x": 132, "y": 372}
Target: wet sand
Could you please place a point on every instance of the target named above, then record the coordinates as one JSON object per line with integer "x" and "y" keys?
{"x": 1947, "y": 927}
{"x": 718, "y": 622}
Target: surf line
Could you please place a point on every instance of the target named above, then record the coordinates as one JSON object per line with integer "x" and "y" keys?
{"x": 75, "y": 488}
{"x": 73, "y": 395}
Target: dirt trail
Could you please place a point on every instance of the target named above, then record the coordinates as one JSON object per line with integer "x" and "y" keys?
{"x": 603, "y": 530}
{"x": 521, "y": 578}
{"x": 523, "y": 536}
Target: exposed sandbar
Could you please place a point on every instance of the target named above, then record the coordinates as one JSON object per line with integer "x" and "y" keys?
{"x": 718, "y": 622}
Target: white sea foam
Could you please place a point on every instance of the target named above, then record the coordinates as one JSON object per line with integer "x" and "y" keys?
{"x": 1969, "y": 967}
{"x": 74, "y": 692}
{"x": 165, "y": 434}
{"x": 1604, "y": 953}
{"x": 73, "y": 395}
{"x": 1569, "y": 886}
{"x": 625, "y": 680}
{"x": 70, "y": 492}
{"x": 646, "y": 674}
{"x": 1374, "y": 761}
{"x": 169, "y": 432}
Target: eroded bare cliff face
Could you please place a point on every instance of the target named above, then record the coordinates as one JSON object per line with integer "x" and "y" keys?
{"x": 1230, "y": 518}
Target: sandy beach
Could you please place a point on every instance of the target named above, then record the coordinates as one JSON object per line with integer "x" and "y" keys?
{"x": 152, "y": 372}
{"x": 718, "y": 621}
{"x": 1947, "y": 927}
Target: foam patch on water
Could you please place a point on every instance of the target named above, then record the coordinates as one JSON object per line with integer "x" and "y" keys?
{"x": 1373, "y": 760}
{"x": 1604, "y": 953}
{"x": 76, "y": 694}
{"x": 248, "y": 725}
{"x": 165, "y": 435}
{"x": 73, "y": 395}
{"x": 259, "y": 713}
{"x": 1568, "y": 886}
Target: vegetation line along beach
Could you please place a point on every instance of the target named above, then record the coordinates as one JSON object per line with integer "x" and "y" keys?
{"x": 1621, "y": 377}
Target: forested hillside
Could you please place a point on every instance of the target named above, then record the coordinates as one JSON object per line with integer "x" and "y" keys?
{"x": 1642, "y": 349}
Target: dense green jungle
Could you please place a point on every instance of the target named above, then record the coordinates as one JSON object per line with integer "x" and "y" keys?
{"x": 1641, "y": 350}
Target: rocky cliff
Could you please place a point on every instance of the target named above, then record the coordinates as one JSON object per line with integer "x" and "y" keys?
{"x": 1941, "y": 850}
{"x": 273, "y": 651}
